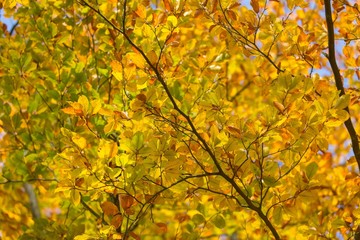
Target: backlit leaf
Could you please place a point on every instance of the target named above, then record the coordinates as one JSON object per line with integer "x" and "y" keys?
{"x": 219, "y": 221}
{"x": 79, "y": 141}
{"x": 311, "y": 170}
{"x": 255, "y": 5}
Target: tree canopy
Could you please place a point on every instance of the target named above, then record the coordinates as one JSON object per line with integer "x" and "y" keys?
{"x": 180, "y": 119}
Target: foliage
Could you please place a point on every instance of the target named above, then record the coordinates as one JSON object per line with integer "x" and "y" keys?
{"x": 180, "y": 119}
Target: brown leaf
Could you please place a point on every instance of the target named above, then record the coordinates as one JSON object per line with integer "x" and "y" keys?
{"x": 279, "y": 106}
{"x": 255, "y": 5}
{"x": 234, "y": 5}
{"x": 126, "y": 201}
{"x": 79, "y": 182}
{"x": 231, "y": 14}
{"x": 162, "y": 227}
{"x": 141, "y": 97}
{"x": 135, "y": 236}
{"x": 214, "y": 5}
{"x": 182, "y": 217}
{"x": 234, "y": 131}
{"x": 117, "y": 220}
{"x": 109, "y": 208}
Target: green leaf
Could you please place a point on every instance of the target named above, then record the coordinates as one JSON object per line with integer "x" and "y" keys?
{"x": 198, "y": 219}
{"x": 176, "y": 91}
{"x": 33, "y": 105}
{"x": 79, "y": 67}
{"x": 311, "y": 170}
{"x": 338, "y": 223}
{"x": 277, "y": 215}
{"x": 270, "y": 181}
{"x": 342, "y": 102}
{"x": 219, "y": 221}
{"x": 137, "y": 141}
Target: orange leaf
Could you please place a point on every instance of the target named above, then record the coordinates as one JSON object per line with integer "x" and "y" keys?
{"x": 168, "y": 6}
{"x": 126, "y": 201}
{"x": 116, "y": 66}
{"x": 113, "y": 150}
{"x": 255, "y": 5}
{"x": 231, "y": 14}
{"x": 162, "y": 227}
{"x": 135, "y": 236}
{"x": 69, "y": 110}
{"x": 214, "y": 5}
{"x": 109, "y": 208}
{"x": 117, "y": 220}
{"x": 174, "y": 37}
{"x": 141, "y": 11}
{"x": 234, "y": 5}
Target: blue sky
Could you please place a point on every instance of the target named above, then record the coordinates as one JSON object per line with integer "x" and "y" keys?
{"x": 8, "y": 21}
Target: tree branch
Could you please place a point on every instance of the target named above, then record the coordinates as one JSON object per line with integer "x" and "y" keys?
{"x": 338, "y": 80}
{"x": 203, "y": 142}
{"x": 34, "y": 204}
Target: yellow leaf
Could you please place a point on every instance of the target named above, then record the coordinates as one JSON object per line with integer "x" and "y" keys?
{"x": 118, "y": 75}
{"x": 110, "y": 126}
{"x": 84, "y": 237}
{"x": 84, "y": 102}
{"x": 116, "y": 69}
{"x": 96, "y": 106}
{"x": 356, "y": 213}
{"x": 75, "y": 197}
{"x": 137, "y": 59}
{"x": 342, "y": 102}
{"x": 172, "y": 21}
{"x": 106, "y": 112}
{"x": 141, "y": 11}
{"x": 79, "y": 141}
{"x": 116, "y": 66}
{"x": 107, "y": 149}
